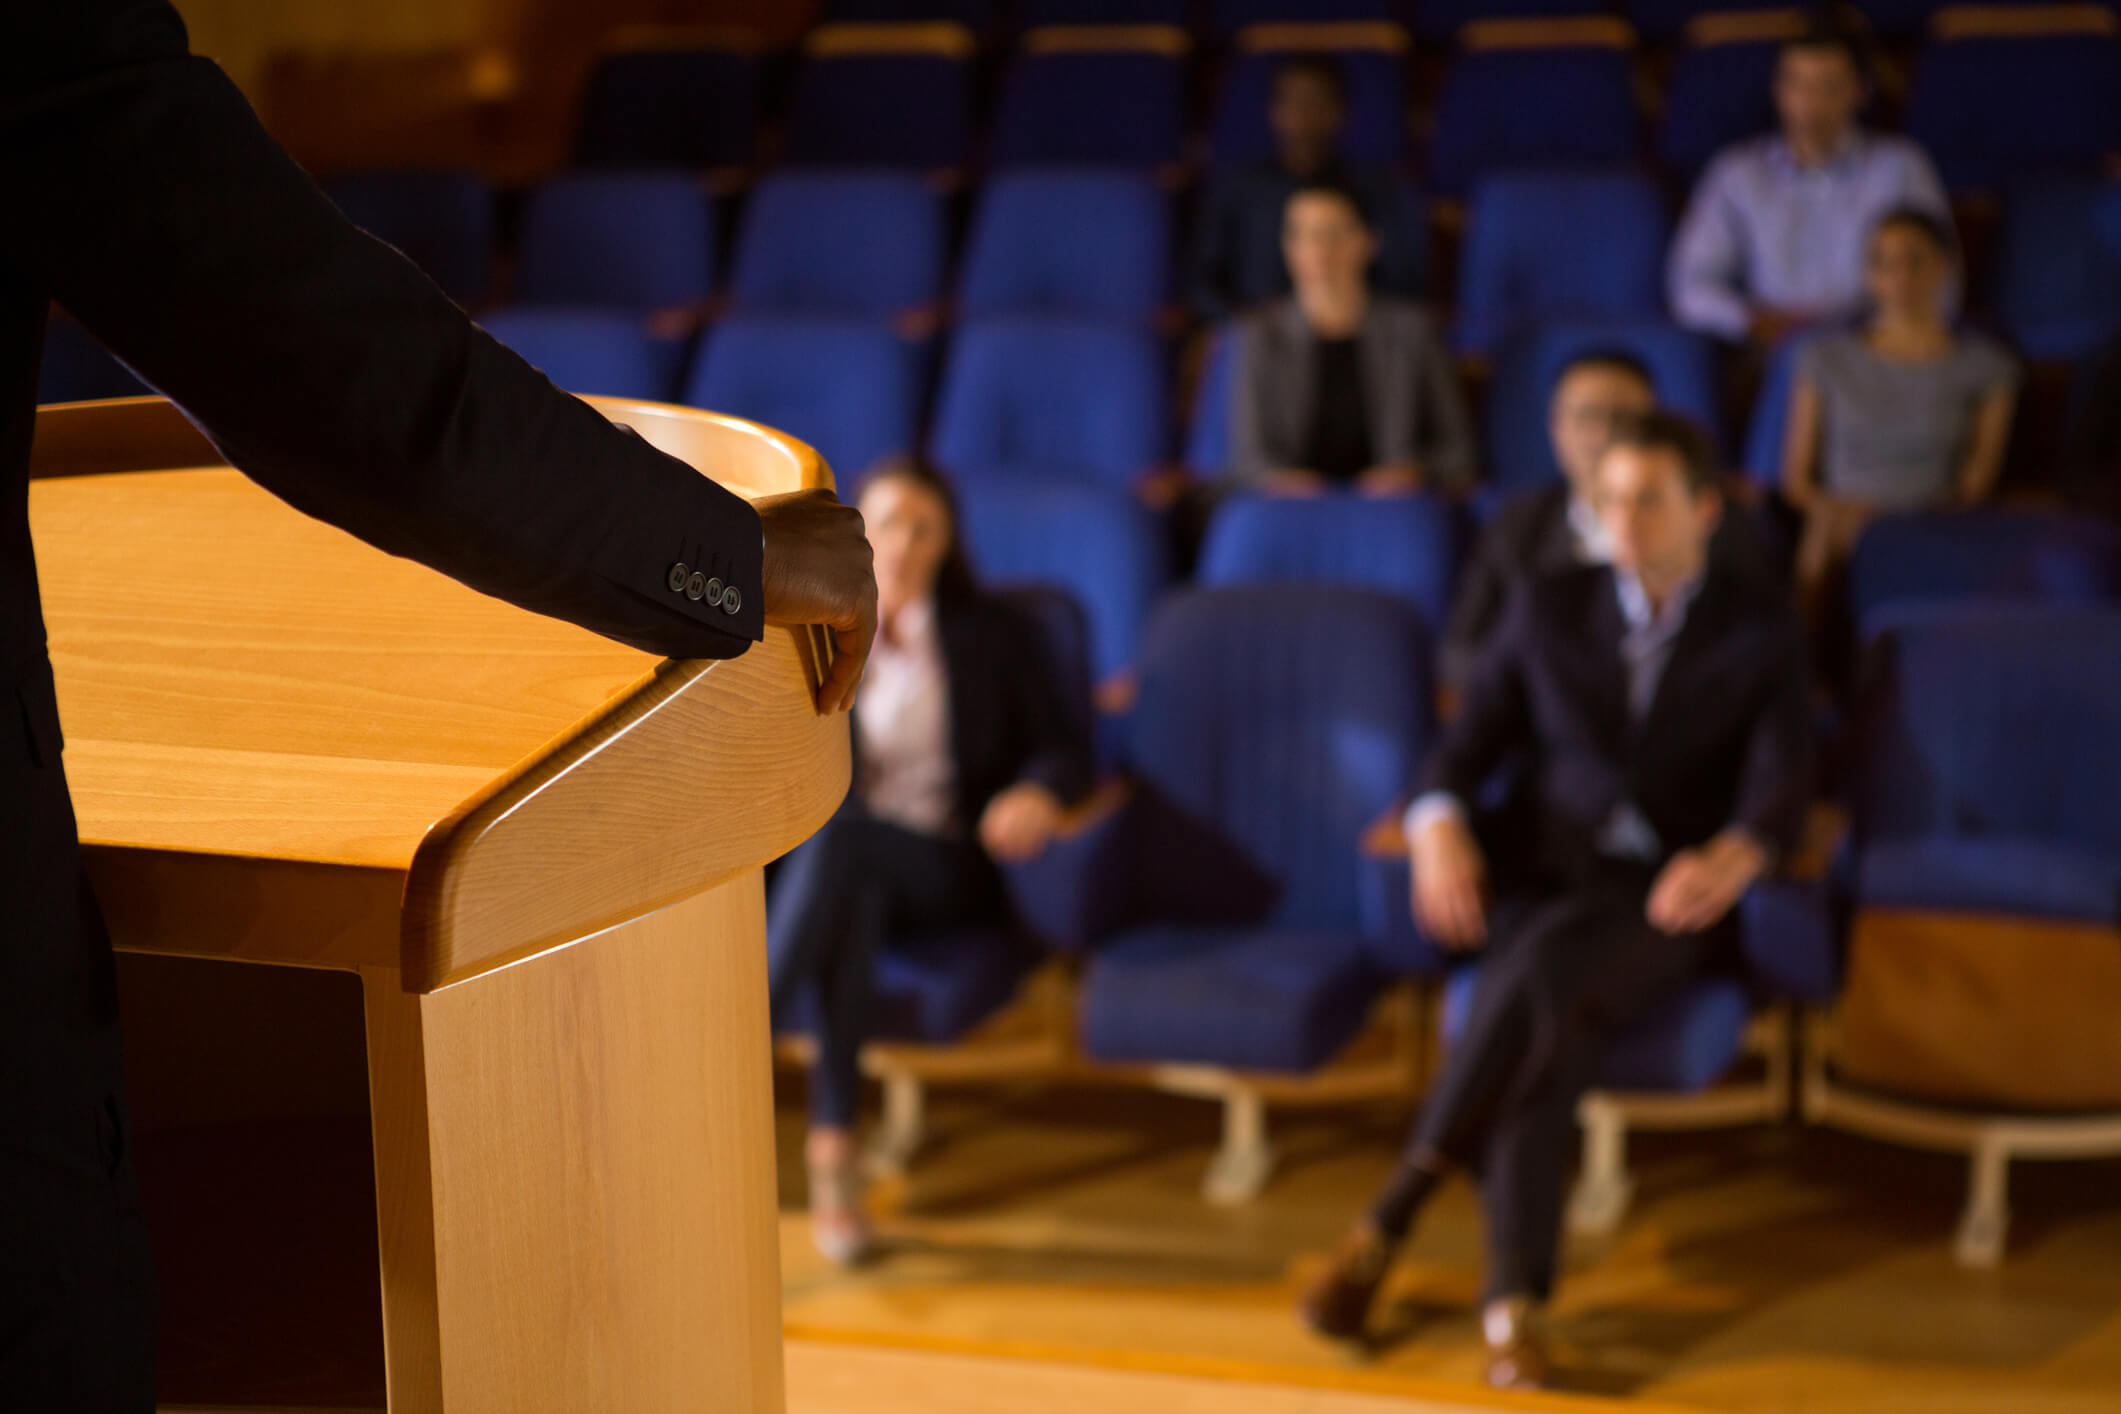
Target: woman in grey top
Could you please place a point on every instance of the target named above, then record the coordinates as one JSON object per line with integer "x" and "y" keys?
{"x": 1905, "y": 414}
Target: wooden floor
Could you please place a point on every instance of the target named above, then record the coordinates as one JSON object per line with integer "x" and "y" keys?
{"x": 1763, "y": 1270}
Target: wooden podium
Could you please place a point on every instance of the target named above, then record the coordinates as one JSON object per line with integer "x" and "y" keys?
{"x": 540, "y": 852}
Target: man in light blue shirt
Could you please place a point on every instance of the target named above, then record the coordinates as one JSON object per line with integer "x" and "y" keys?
{"x": 1777, "y": 230}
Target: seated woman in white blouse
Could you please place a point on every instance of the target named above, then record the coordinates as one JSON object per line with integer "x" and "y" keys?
{"x": 963, "y": 757}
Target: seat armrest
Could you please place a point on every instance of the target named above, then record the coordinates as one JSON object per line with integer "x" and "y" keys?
{"x": 1074, "y": 892}
{"x": 1790, "y": 935}
{"x": 1826, "y": 829}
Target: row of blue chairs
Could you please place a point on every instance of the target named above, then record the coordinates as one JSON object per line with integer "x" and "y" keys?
{"x": 1990, "y": 106}
{"x": 1539, "y": 247}
{"x": 1231, "y": 925}
{"x": 1435, "y": 20}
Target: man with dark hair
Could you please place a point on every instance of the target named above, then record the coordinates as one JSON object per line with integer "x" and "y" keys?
{"x": 1656, "y": 714}
{"x": 1236, "y": 257}
{"x": 1555, "y": 527}
{"x": 1776, "y": 233}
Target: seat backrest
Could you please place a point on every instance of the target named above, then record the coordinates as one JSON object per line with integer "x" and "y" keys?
{"x": 857, "y": 106}
{"x": 1438, "y": 21}
{"x": 1718, "y": 94}
{"x": 1559, "y": 245}
{"x": 849, "y": 388}
{"x": 1768, "y": 427}
{"x": 1990, "y": 553}
{"x": 1994, "y": 107}
{"x": 1510, "y": 108}
{"x": 621, "y": 240}
{"x": 1086, "y": 243}
{"x": 839, "y": 243}
{"x": 1033, "y": 13}
{"x": 1062, "y": 398}
{"x": 2058, "y": 266}
{"x": 1994, "y": 720}
{"x": 1100, "y": 545}
{"x": 1682, "y": 368}
{"x": 443, "y": 222}
{"x": 1376, "y": 130}
{"x": 1290, "y": 717}
{"x": 1124, "y": 109}
{"x": 1407, "y": 547}
{"x": 1060, "y": 632}
{"x": 1208, "y": 432}
{"x": 1228, "y": 17}
{"x": 670, "y": 107}
{"x": 595, "y": 351}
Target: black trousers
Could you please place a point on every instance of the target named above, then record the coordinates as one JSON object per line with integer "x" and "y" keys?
{"x": 837, "y": 897}
{"x": 1562, "y": 972}
{"x": 77, "y": 1292}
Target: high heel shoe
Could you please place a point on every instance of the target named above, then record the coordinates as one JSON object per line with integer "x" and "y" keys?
{"x": 838, "y": 1227}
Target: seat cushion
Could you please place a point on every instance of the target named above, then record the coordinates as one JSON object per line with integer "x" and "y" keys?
{"x": 1250, "y": 1000}
{"x": 1684, "y": 1046}
{"x": 935, "y": 987}
{"x": 1991, "y": 875}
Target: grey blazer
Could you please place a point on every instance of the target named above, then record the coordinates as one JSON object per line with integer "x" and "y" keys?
{"x": 1417, "y": 410}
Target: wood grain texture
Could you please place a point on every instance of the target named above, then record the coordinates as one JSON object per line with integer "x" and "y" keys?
{"x": 292, "y": 912}
{"x": 575, "y": 1176}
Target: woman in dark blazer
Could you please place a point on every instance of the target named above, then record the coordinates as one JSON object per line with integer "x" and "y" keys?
{"x": 964, "y": 757}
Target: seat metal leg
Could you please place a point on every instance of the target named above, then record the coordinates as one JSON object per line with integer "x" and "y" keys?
{"x": 1985, "y": 1224}
{"x": 1605, "y": 1188}
{"x": 1242, "y": 1165}
{"x": 903, "y": 1129}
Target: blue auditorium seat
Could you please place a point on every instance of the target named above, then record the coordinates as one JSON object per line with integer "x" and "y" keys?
{"x": 1207, "y": 451}
{"x": 1717, "y": 95}
{"x": 1275, "y": 723}
{"x": 1544, "y": 246}
{"x": 1505, "y": 109}
{"x": 620, "y": 240}
{"x": 76, "y": 367}
{"x": 1768, "y": 425}
{"x": 1987, "y": 553}
{"x": 1086, "y": 243}
{"x": 850, "y": 388}
{"x": 1407, "y": 546}
{"x": 690, "y": 106}
{"x": 1100, "y": 545}
{"x": 1033, "y": 13}
{"x": 868, "y": 244}
{"x": 598, "y": 351}
{"x": 1376, "y": 130}
{"x": 1046, "y": 397}
{"x": 1227, "y": 17}
{"x": 856, "y": 105}
{"x": 1122, "y": 108}
{"x": 1994, "y": 109}
{"x": 1438, "y": 21}
{"x": 443, "y": 222}
{"x": 1682, "y": 367}
{"x": 2058, "y": 266}
{"x": 1978, "y": 789}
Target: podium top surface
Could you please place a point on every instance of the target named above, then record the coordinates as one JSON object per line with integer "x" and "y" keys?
{"x": 238, "y": 679}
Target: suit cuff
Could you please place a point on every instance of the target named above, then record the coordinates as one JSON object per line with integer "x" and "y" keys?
{"x": 700, "y": 552}
{"x": 1429, "y": 807}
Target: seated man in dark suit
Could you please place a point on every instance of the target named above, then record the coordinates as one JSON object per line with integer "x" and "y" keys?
{"x": 1235, "y": 260}
{"x": 1655, "y": 709}
{"x": 1554, "y": 528}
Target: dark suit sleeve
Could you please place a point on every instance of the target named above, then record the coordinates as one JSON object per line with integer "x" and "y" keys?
{"x": 1776, "y": 781}
{"x": 1493, "y": 715}
{"x": 147, "y": 199}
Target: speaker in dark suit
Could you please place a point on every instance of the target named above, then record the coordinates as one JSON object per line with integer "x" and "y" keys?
{"x": 145, "y": 197}
{"x": 1652, "y": 718}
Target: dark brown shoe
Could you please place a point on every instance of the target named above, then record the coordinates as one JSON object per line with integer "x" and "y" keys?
{"x": 1517, "y": 1347}
{"x": 1337, "y": 1304}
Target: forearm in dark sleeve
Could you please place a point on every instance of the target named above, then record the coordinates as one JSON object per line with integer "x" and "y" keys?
{"x": 1492, "y": 717}
{"x": 152, "y": 204}
{"x": 1473, "y": 614}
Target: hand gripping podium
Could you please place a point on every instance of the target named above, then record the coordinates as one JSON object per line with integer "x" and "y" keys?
{"x": 540, "y": 852}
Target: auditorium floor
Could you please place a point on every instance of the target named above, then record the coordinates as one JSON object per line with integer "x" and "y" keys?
{"x": 1761, "y": 1270}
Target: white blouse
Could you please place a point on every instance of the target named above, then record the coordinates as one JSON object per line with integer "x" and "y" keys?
{"x": 902, "y": 714}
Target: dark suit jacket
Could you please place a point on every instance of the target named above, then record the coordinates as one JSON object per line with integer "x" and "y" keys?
{"x": 1727, "y": 740}
{"x": 1530, "y": 537}
{"x": 1417, "y": 411}
{"x": 144, "y": 196}
{"x": 1010, "y": 719}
